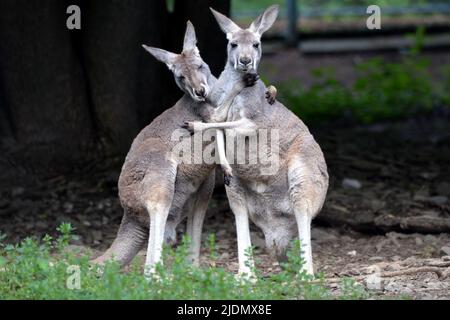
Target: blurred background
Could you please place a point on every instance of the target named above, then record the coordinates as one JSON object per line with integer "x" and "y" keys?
{"x": 377, "y": 101}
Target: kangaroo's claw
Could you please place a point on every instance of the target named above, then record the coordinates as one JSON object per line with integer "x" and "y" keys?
{"x": 188, "y": 126}
{"x": 227, "y": 179}
{"x": 185, "y": 125}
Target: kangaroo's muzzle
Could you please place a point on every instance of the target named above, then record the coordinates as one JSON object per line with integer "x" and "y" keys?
{"x": 200, "y": 94}
{"x": 245, "y": 63}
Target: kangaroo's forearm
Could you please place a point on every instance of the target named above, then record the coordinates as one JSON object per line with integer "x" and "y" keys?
{"x": 221, "y": 151}
{"x": 223, "y": 92}
{"x": 238, "y": 124}
{"x": 221, "y": 111}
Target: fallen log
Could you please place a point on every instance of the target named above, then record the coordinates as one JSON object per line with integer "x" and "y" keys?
{"x": 441, "y": 273}
{"x": 422, "y": 224}
{"x": 441, "y": 267}
{"x": 369, "y": 222}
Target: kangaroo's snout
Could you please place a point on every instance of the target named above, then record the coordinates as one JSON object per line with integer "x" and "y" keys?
{"x": 200, "y": 92}
{"x": 245, "y": 61}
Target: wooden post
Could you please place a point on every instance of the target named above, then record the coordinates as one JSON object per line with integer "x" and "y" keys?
{"x": 291, "y": 30}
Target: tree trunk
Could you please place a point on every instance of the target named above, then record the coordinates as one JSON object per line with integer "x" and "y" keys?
{"x": 43, "y": 85}
{"x": 65, "y": 94}
{"x": 112, "y": 34}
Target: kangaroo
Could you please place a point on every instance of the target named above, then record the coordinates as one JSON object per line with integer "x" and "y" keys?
{"x": 156, "y": 189}
{"x": 295, "y": 192}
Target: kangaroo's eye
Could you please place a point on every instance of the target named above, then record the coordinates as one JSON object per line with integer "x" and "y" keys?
{"x": 200, "y": 67}
{"x": 181, "y": 78}
{"x": 256, "y": 45}
{"x": 234, "y": 45}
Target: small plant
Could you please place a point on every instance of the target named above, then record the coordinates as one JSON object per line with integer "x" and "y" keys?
{"x": 446, "y": 86}
{"x": 65, "y": 229}
{"x": 325, "y": 99}
{"x": 44, "y": 269}
{"x": 391, "y": 90}
{"x": 212, "y": 247}
{"x": 351, "y": 290}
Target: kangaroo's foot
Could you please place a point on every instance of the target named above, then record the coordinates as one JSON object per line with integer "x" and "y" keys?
{"x": 271, "y": 94}
{"x": 227, "y": 178}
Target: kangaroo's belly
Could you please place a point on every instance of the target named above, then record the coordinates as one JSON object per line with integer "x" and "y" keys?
{"x": 268, "y": 197}
{"x": 273, "y": 215}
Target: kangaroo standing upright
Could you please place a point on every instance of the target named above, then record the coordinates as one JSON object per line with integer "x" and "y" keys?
{"x": 295, "y": 192}
{"x": 156, "y": 189}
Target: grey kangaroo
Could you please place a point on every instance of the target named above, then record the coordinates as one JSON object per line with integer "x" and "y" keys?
{"x": 283, "y": 202}
{"x": 156, "y": 189}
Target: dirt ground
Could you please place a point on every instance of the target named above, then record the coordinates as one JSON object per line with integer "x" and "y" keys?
{"x": 400, "y": 169}
{"x": 342, "y": 252}
{"x": 382, "y": 177}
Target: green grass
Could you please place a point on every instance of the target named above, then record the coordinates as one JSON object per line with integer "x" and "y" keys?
{"x": 46, "y": 269}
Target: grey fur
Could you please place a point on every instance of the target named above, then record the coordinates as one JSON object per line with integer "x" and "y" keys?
{"x": 156, "y": 190}
{"x": 296, "y": 193}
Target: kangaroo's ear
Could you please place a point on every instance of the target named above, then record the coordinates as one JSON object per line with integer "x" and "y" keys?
{"x": 265, "y": 20}
{"x": 190, "y": 40}
{"x": 225, "y": 23}
{"x": 162, "y": 55}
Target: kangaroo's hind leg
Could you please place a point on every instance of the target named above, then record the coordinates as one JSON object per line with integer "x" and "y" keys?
{"x": 238, "y": 205}
{"x": 159, "y": 188}
{"x": 308, "y": 184}
{"x": 196, "y": 216}
{"x": 130, "y": 239}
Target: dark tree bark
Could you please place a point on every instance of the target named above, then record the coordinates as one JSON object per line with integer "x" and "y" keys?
{"x": 5, "y": 119}
{"x": 68, "y": 94}
{"x": 43, "y": 85}
{"x": 156, "y": 87}
{"x": 112, "y": 34}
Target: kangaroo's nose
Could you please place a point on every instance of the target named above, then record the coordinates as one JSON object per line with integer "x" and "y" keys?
{"x": 245, "y": 60}
{"x": 200, "y": 93}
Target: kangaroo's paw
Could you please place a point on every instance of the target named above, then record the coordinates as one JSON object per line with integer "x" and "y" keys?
{"x": 250, "y": 79}
{"x": 227, "y": 178}
{"x": 193, "y": 126}
{"x": 188, "y": 125}
{"x": 271, "y": 94}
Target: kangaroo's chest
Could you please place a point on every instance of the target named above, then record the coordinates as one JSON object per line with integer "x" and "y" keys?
{"x": 237, "y": 109}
